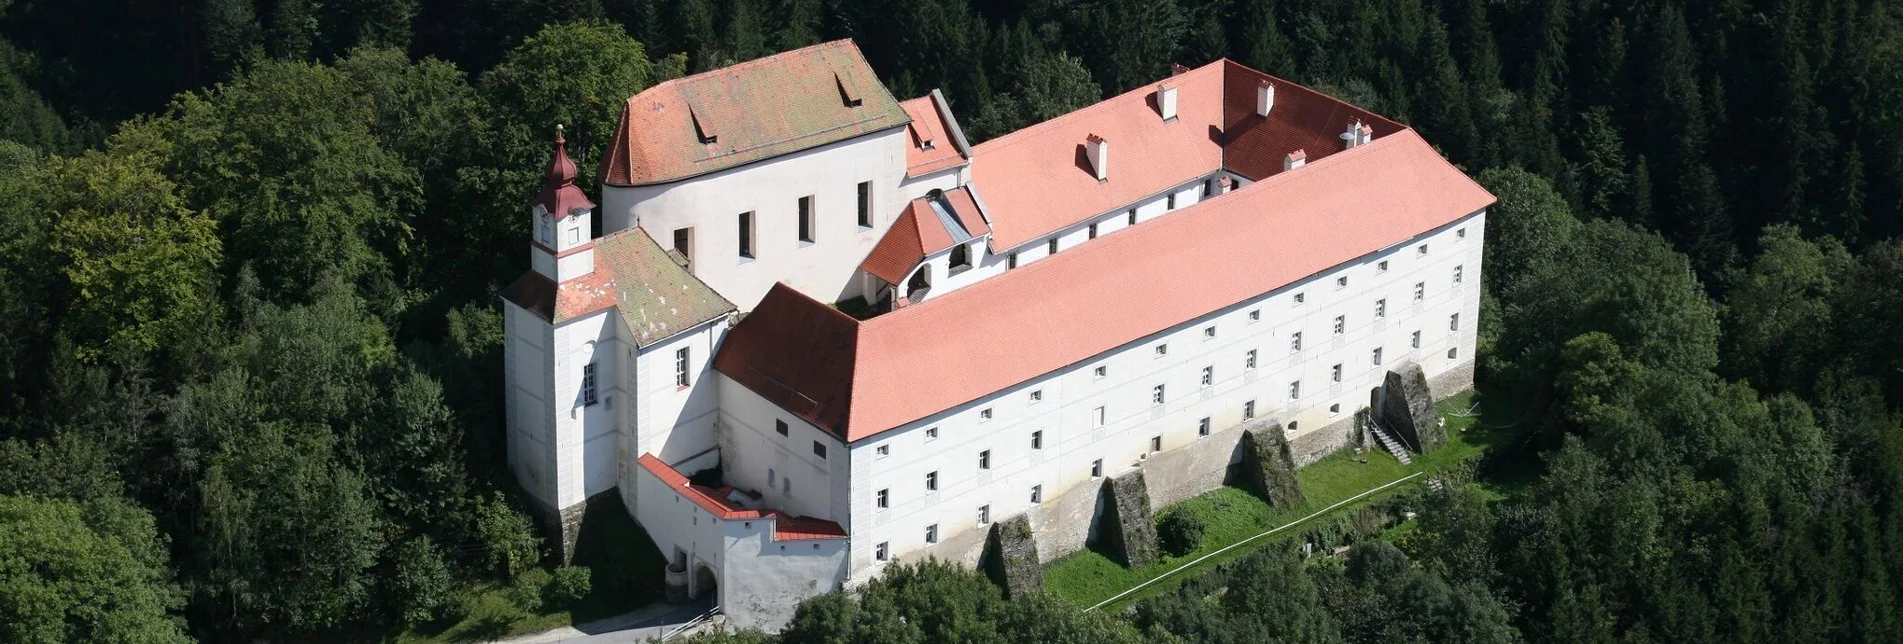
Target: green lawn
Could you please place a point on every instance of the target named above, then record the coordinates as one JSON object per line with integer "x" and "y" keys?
{"x": 626, "y": 572}
{"x": 1231, "y": 514}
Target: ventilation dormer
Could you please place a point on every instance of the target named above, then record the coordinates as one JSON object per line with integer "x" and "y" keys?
{"x": 1294, "y": 160}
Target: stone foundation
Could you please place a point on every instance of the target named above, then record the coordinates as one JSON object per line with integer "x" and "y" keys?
{"x": 1010, "y": 558}
{"x": 1267, "y": 467}
{"x": 1129, "y": 529}
{"x": 1312, "y": 446}
{"x": 1454, "y": 381}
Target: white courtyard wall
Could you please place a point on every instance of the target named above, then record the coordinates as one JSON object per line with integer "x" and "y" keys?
{"x": 946, "y": 180}
{"x": 755, "y": 456}
{"x": 770, "y": 189}
{"x": 584, "y": 435}
{"x": 1070, "y": 395}
{"x": 528, "y": 383}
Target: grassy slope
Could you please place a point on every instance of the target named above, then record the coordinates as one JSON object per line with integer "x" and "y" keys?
{"x": 1088, "y": 577}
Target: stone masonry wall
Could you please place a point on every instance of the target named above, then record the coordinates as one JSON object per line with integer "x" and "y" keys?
{"x": 1010, "y": 558}
{"x": 1129, "y": 529}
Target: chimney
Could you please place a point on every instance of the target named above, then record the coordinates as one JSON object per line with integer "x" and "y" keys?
{"x": 1099, "y": 152}
{"x": 1166, "y": 100}
{"x": 1352, "y": 137}
{"x": 1365, "y": 134}
{"x": 1177, "y": 69}
{"x": 1224, "y": 184}
{"x": 1295, "y": 160}
{"x": 1264, "y": 98}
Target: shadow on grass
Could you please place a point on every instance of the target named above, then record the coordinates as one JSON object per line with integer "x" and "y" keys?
{"x": 484, "y": 629}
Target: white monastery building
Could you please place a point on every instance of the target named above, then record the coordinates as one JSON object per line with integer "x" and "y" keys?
{"x": 866, "y": 340}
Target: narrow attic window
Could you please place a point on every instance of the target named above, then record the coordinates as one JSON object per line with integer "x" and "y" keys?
{"x": 701, "y": 130}
{"x": 847, "y": 92}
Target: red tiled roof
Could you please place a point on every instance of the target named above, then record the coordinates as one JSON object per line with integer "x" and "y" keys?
{"x": 1302, "y": 119}
{"x": 786, "y": 527}
{"x": 1037, "y": 180}
{"x": 755, "y": 110}
{"x": 928, "y": 126}
{"x": 918, "y": 233}
{"x": 857, "y": 379}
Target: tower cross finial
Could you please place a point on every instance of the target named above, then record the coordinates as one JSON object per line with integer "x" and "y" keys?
{"x": 558, "y": 133}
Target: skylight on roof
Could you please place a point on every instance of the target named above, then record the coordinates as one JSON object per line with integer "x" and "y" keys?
{"x": 947, "y": 216}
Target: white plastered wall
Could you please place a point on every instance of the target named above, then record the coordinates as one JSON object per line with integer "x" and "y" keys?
{"x": 755, "y": 456}
{"x": 770, "y": 189}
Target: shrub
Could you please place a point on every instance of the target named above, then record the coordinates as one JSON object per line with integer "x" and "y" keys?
{"x": 568, "y": 586}
{"x": 1180, "y": 533}
{"x": 420, "y": 583}
{"x": 527, "y": 591}
{"x": 509, "y": 543}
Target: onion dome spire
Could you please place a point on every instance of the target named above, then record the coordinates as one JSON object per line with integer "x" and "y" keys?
{"x": 559, "y": 195}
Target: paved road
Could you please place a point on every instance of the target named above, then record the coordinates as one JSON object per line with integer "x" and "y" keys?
{"x": 639, "y": 626}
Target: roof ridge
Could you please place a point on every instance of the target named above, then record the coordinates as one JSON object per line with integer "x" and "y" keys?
{"x": 743, "y": 65}
{"x": 1014, "y": 137}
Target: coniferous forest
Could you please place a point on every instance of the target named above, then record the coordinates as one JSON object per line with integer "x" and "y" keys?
{"x": 250, "y": 353}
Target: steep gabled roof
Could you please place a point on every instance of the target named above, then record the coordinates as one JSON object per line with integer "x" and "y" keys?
{"x": 857, "y": 379}
{"x": 924, "y": 228}
{"x": 755, "y": 110}
{"x": 655, "y": 296}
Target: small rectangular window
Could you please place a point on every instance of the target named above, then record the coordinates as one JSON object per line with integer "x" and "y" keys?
{"x": 1380, "y": 308}
{"x": 1162, "y": 350}
{"x": 883, "y": 451}
{"x": 1341, "y": 324}
{"x": 1037, "y": 396}
{"x": 984, "y": 414}
{"x": 588, "y": 385}
{"x": 1011, "y": 261}
{"x": 1460, "y": 233}
{"x": 931, "y": 433}
{"x": 931, "y": 534}
{"x": 806, "y": 219}
{"x": 1453, "y": 322}
{"x": 1334, "y": 373}
{"x": 1096, "y": 468}
{"x": 745, "y": 227}
{"x": 1209, "y": 187}
{"x": 1341, "y": 282}
{"x": 1050, "y": 246}
{"x": 879, "y": 553}
{"x": 1101, "y": 371}
{"x": 1255, "y": 315}
{"x": 1156, "y": 395}
{"x": 779, "y": 426}
{"x": 770, "y": 477}
{"x": 1248, "y": 410}
{"x": 931, "y": 481}
{"x": 1037, "y": 494}
{"x": 680, "y": 367}
{"x": 1202, "y": 427}
{"x": 1209, "y": 376}
{"x": 1376, "y": 357}
{"x": 1422, "y": 250}
{"x": 1335, "y": 409}
{"x": 1133, "y": 217}
{"x": 819, "y": 449}
{"x": 865, "y": 204}
{"x": 1457, "y": 274}
{"x": 1037, "y": 439}
{"x": 1156, "y": 444}
{"x": 1381, "y": 267}
{"x": 1248, "y": 360}
{"x": 885, "y": 498}
{"x": 574, "y": 235}
{"x": 1170, "y": 202}
{"x": 984, "y": 460}
{"x": 1093, "y": 231}
{"x": 1295, "y": 390}
{"x": 1097, "y": 417}
{"x": 1301, "y": 297}
{"x": 1452, "y": 352}
{"x": 1420, "y": 291}
{"x": 1209, "y": 332}
{"x": 984, "y": 515}
{"x": 1414, "y": 340}
{"x": 1295, "y": 342}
